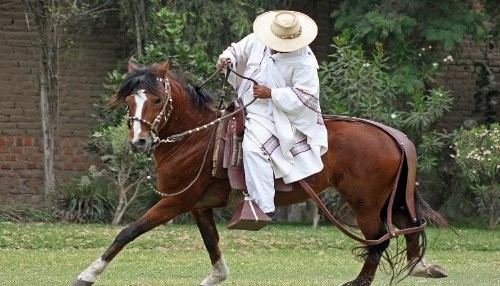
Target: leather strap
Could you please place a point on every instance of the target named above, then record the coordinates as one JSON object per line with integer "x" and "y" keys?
{"x": 392, "y": 232}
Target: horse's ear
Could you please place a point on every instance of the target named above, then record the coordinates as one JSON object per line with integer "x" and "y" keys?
{"x": 131, "y": 65}
{"x": 163, "y": 69}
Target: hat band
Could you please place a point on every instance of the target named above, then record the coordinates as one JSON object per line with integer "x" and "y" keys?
{"x": 289, "y": 37}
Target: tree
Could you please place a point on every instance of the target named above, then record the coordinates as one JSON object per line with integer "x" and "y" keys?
{"x": 52, "y": 18}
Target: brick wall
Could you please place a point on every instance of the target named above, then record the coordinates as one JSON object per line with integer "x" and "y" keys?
{"x": 84, "y": 69}
{"x": 460, "y": 78}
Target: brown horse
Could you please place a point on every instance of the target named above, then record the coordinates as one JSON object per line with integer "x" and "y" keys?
{"x": 362, "y": 164}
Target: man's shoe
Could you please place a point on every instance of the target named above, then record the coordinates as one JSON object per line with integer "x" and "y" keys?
{"x": 272, "y": 215}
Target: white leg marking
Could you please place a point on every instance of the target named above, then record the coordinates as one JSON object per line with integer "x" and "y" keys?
{"x": 90, "y": 274}
{"x": 220, "y": 272}
{"x": 140, "y": 98}
{"x": 419, "y": 270}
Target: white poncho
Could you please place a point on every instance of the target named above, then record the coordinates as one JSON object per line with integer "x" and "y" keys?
{"x": 289, "y": 125}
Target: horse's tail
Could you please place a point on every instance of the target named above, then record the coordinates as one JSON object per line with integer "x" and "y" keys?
{"x": 396, "y": 261}
{"x": 426, "y": 213}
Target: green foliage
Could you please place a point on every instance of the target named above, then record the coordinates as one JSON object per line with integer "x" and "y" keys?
{"x": 92, "y": 200}
{"x": 414, "y": 34}
{"x": 168, "y": 42}
{"x": 425, "y": 109}
{"x": 357, "y": 85}
{"x": 112, "y": 146}
{"x": 478, "y": 155}
{"x": 128, "y": 172}
{"x": 105, "y": 115}
{"x": 416, "y": 21}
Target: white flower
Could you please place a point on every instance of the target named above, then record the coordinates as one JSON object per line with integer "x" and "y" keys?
{"x": 435, "y": 65}
{"x": 393, "y": 116}
{"x": 366, "y": 65}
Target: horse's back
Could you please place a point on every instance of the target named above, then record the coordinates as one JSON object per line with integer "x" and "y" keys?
{"x": 360, "y": 156}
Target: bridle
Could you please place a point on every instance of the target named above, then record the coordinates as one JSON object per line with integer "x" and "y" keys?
{"x": 168, "y": 107}
{"x": 164, "y": 113}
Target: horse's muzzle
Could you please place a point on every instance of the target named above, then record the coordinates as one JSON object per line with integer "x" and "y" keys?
{"x": 142, "y": 145}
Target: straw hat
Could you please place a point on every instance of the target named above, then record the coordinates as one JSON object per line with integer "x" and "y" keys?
{"x": 285, "y": 31}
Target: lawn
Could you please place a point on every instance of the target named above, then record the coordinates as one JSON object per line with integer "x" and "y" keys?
{"x": 54, "y": 254}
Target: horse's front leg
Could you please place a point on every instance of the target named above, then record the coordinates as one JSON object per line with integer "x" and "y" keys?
{"x": 160, "y": 213}
{"x": 208, "y": 230}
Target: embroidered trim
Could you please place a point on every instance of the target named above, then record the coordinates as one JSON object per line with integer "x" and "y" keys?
{"x": 270, "y": 145}
{"x": 311, "y": 102}
{"x": 273, "y": 143}
{"x": 319, "y": 119}
{"x": 307, "y": 99}
{"x": 300, "y": 147}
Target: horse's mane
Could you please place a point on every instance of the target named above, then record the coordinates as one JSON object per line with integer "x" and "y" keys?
{"x": 146, "y": 76}
{"x": 199, "y": 97}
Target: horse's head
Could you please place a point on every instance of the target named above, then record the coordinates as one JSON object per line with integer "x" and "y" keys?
{"x": 146, "y": 91}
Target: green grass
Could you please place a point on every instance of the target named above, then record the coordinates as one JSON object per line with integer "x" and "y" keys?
{"x": 54, "y": 254}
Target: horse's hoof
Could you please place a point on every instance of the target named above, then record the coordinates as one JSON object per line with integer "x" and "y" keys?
{"x": 436, "y": 271}
{"x": 428, "y": 271}
{"x": 81, "y": 283}
{"x": 356, "y": 283}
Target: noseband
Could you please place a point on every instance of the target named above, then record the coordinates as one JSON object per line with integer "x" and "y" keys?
{"x": 167, "y": 107}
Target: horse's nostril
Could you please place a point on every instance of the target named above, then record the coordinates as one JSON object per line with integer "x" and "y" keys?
{"x": 141, "y": 142}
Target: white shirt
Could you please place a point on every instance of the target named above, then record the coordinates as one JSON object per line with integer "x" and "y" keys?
{"x": 289, "y": 125}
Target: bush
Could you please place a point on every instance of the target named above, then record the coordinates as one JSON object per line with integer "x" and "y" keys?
{"x": 478, "y": 156}
{"x": 127, "y": 172}
{"x": 92, "y": 200}
{"x": 28, "y": 213}
{"x": 354, "y": 84}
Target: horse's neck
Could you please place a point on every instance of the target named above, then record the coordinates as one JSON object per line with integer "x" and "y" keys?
{"x": 186, "y": 117}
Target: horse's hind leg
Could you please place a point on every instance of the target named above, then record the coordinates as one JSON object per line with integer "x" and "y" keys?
{"x": 372, "y": 228}
{"x": 415, "y": 250}
{"x": 160, "y": 213}
{"x": 208, "y": 230}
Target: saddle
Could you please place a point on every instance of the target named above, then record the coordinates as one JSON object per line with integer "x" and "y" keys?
{"x": 228, "y": 153}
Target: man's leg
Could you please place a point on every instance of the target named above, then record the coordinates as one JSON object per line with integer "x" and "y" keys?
{"x": 259, "y": 175}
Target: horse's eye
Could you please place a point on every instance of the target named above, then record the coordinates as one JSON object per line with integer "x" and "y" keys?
{"x": 157, "y": 101}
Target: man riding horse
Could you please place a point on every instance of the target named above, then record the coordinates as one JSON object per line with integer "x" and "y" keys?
{"x": 284, "y": 131}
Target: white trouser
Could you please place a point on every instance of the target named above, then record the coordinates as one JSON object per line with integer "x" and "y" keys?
{"x": 259, "y": 174}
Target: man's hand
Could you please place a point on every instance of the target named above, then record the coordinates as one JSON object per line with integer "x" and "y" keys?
{"x": 261, "y": 91}
{"x": 222, "y": 64}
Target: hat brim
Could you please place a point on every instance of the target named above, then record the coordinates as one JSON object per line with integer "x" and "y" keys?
{"x": 262, "y": 29}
